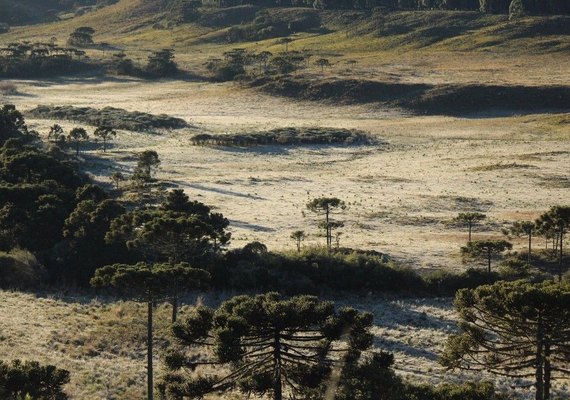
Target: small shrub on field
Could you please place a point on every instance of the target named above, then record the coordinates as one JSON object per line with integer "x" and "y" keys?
{"x": 20, "y": 269}
{"x": 8, "y": 88}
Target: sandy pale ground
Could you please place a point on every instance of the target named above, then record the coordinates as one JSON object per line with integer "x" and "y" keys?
{"x": 400, "y": 194}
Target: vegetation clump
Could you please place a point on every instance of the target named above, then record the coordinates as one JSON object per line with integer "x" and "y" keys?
{"x": 115, "y": 118}
{"x": 286, "y": 137}
{"x": 21, "y": 380}
{"x": 26, "y": 59}
{"x": 420, "y": 98}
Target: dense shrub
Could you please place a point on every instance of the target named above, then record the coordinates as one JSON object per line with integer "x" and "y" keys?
{"x": 287, "y": 136}
{"x": 315, "y": 270}
{"x": 19, "y": 379}
{"x": 115, "y": 118}
{"x": 20, "y": 269}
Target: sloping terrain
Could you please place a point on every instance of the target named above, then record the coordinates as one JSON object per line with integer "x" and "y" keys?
{"x": 22, "y": 12}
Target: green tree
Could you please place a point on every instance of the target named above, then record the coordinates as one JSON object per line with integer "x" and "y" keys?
{"x": 117, "y": 178}
{"x": 515, "y": 329}
{"x": 298, "y": 237}
{"x": 56, "y": 134}
{"x": 148, "y": 161}
{"x": 268, "y": 342}
{"x": 149, "y": 283}
{"x": 285, "y": 41}
{"x": 469, "y": 219}
{"x": 486, "y": 248}
{"x": 557, "y": 219}
{"x": 20, "y": 379}
{"x": 516, "y": 10}
{"x": 106, "y": 133}
{"x": 82, "y": 36}
{"x": 327, "y": 206}
{"x": 323, "y": 62}
{"x": 13, "y": 125}
{"x": 523, "y": 228}
{"x": 161, "y": 63}
{"x": 85, "y": 248}
{"x": 193, "y": 234}
{"x": 77, "y": 135}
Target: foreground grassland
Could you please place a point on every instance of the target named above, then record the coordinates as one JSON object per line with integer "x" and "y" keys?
{"x": 102, "y": 341}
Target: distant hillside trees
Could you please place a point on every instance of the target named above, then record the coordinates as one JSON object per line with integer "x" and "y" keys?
{"x": 161, "y": 63}
{"x": 82, "y": 36}
{"x": 488, "y": 6}
{"x": 26, "y": 59}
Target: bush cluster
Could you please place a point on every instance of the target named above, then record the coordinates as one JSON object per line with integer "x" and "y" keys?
{"x": 315, "y": 270}
{"x": 115, "y": 118}
{"x": 287, "y": 136}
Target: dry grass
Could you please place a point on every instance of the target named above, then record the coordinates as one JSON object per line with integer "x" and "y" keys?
{"x": 429, "y": 170}
{"x": 102, "y": 343}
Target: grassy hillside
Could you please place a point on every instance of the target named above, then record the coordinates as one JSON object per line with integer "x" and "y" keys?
{"x": 21, "y": 12}
{"x": 148, "y": 24}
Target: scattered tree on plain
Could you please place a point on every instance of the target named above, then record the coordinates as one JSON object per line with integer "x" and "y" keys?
{"x": 117, "y": 178}
{"x": 106, "y": 133}
{"x": 556, "y": 220}
{"x": 323, "y": 62}
{"x": 486, "y": 248}
{"x": 77, "y": 135}
{"x": 524, "y": 228}
{"x": 298, "y": 237}
{"x": 56, "y": 134}
{"x": 327, "y": 206}
{"x": 470, "y": 219}
{"x": 148, "y": 162}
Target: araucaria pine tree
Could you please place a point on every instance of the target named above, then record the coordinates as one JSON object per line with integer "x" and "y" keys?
{"x": 270, "y": 345}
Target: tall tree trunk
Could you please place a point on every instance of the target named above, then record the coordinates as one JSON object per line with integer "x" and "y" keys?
{"x": 277, "y": 388}
{"x": 174, "y": 302}
{"x": 470, "y": 227}
{"x": 560, "y": 255}
{"x": 489, "y": 260}
{"x": 327, "y": 226}
{"x": 77, "y": 148}
{"x": 539, "y": 377}
{"x": 150, "y": 385}
{"x": 547, "y": 371}
{"x": 529, "y": 247}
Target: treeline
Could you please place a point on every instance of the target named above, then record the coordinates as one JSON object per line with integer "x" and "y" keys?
{"x": 488, "y": 6}
{"x": 26, "y": 59}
